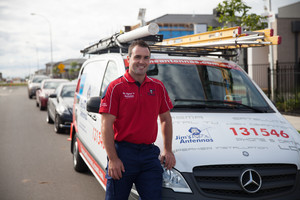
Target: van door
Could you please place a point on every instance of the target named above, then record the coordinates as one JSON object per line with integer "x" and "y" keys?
{"x": 90, "y": 84}
{"x": 94, "y": 119}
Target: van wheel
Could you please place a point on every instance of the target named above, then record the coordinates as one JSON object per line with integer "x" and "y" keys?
{"x": 78, "y": 163}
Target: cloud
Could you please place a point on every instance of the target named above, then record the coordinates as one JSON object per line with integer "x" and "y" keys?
{"x": 25, "y": 38}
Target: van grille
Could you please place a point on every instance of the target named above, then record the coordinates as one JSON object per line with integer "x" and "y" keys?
{"x": 224, "y": 180}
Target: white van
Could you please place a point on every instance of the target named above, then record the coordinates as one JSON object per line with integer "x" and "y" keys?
{"x": 229, "y": 140}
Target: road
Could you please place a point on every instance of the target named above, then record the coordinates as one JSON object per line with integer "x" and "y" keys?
{"x": 35, "y": 162}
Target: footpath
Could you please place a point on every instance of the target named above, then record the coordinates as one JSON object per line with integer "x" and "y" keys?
{"x": 294, "y": 120}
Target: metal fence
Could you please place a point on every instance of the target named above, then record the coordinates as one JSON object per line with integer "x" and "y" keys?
{"x": 287, "y": 87}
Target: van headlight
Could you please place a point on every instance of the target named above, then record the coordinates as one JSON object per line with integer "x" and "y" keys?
{"x": 174, "y": 180}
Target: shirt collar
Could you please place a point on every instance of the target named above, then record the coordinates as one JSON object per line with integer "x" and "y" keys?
{"x": 128, "y": 78}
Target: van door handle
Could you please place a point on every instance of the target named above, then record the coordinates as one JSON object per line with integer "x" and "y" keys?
{"x": 92, "y": 116}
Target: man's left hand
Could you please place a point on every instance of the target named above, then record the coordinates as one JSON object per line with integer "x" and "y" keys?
{"x": 168, "y": 158}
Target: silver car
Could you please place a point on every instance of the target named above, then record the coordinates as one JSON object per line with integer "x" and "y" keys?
{"x": 34, "y": 83}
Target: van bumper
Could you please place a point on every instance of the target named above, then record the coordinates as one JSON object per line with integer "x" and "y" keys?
{"x": 198, "y": 194}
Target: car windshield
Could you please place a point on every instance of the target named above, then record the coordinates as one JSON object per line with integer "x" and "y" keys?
{"x": 51, "y": 85}
{"x": 68, "y": 91}
{"x": 209, "y": 85}
{"x": 38, "y": 79}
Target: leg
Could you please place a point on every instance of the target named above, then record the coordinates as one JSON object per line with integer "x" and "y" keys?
{"x": 149, "y": 181}
{"x": 118, "y": 189}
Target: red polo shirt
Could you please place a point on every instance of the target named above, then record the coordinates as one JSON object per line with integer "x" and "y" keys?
{"x": 136, "y": 108}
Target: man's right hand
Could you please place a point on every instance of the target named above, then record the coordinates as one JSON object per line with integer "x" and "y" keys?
{"x": 115, "y": 168}
{"x": 115, "y": 165}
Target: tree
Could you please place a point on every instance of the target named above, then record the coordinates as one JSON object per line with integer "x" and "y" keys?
{"x": 73, "y": 70}
{"x": 234, "y": 13}
{"x": 55, "y": 71}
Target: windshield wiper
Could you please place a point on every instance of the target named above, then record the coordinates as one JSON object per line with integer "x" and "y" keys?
{"x": 217, "y": 101}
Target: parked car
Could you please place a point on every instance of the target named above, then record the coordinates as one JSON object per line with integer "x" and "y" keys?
{"x": 34, "y": 83}
{"x": 48, "y": 87}
{"x": 60, "y": 105}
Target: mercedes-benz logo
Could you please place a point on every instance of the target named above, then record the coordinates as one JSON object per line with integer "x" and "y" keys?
{"x": 250, "y": 181}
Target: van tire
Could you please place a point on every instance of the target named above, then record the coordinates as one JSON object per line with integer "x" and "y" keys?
{"x": 78, "y": 163}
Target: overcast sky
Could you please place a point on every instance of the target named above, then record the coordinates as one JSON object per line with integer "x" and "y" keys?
{"x": 25, "y": 38}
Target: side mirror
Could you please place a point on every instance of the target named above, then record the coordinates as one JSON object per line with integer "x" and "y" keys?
{"x": 52, "y": 95}
{"x": 93, "y": 104}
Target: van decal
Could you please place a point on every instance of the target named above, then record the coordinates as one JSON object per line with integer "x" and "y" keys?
{"x": 195, "y": 135}
{"x": 258, "y": 132}
{"x": 88, "y": 93}
{"x": 82, "y": 81}
{"x": 193, "y": 62}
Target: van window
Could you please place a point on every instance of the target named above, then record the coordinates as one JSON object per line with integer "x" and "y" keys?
{"x": 209, "y": 86}
{"x": 111, "y": 74}
{"x": 91, "y": 78}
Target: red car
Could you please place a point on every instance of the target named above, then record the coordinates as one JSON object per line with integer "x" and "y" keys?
{"x": 48, "y": 87}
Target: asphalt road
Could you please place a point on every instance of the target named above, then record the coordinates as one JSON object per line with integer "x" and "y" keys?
{"x": 35, "y": 162}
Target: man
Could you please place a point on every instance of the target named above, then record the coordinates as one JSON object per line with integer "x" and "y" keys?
{"x": 130, "y": 108}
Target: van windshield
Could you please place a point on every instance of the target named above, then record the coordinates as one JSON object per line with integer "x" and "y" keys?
{"x": 209, "y": 87}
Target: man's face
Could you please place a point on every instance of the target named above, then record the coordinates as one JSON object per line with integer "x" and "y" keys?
{"x": 139, "y": 61}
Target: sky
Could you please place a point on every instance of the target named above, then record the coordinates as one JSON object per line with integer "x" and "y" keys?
{"x": 25, "y": 38}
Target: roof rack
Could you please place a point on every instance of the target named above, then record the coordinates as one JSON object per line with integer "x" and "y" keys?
{"x": 221, "y": 43}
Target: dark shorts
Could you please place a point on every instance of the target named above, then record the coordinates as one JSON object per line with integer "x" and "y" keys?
{"x": 142, "y": 167}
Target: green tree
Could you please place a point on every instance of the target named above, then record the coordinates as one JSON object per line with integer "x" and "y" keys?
{"x": 55, "y": 71}
{"x": 235, "y": 13}
{"x": 73, "y": 72}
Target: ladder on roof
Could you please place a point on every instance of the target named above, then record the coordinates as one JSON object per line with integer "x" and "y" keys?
{"x": 229, "y": 38}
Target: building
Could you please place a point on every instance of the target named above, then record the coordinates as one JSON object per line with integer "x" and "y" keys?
{"x": 65, "y": 69}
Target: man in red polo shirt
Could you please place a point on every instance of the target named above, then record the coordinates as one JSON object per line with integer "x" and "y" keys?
{"x": 130, "y": 108}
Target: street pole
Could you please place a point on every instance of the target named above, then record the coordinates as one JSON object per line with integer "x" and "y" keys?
{"x": 271, "y": 59}
{"x": 50, "y": 31}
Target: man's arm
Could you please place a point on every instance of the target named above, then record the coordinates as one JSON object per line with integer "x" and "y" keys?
{"x": 167, "y": 155}
{"x": 115, "y": 165}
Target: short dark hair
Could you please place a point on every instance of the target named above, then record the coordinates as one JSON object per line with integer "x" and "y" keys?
{"x": 140, "y": 43}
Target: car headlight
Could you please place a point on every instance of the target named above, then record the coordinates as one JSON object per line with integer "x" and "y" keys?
{"x": 62, "y": 110}
{"x": 174, "y": 180}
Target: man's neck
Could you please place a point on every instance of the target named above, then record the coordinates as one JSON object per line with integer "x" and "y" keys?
{"x": 138, "y": 78}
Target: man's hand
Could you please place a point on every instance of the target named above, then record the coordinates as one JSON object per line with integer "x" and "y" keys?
{"x": 115, "y": 168}
{"x": 167, "y": 155}
{"x": 115, "y": 165}
{"x": 168, "y": 158}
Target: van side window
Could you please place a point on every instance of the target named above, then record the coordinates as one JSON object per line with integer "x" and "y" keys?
{"x": 111, "y": 74}
{"x": 91, "y": 78}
